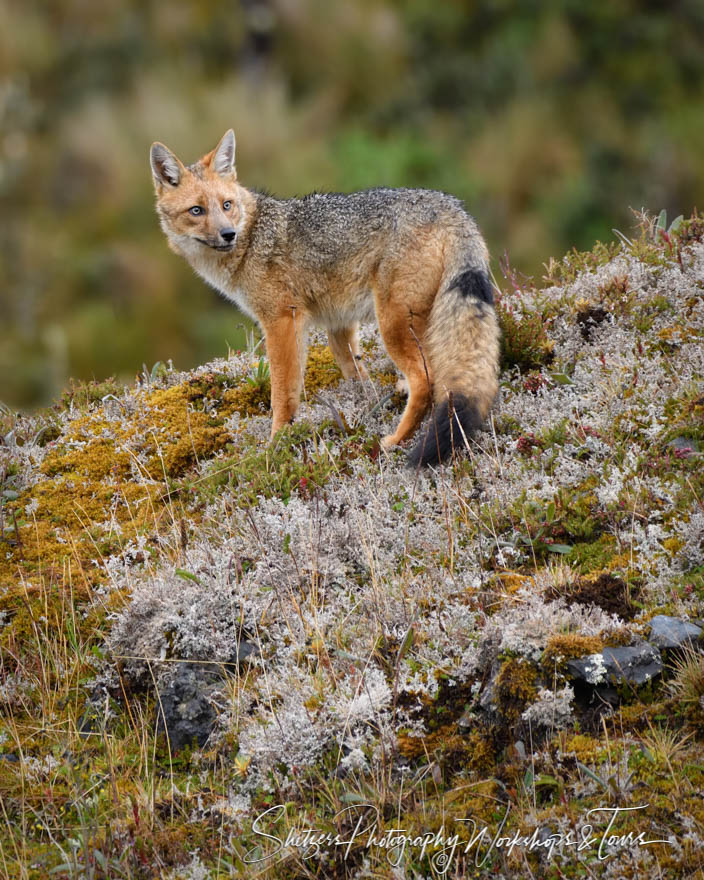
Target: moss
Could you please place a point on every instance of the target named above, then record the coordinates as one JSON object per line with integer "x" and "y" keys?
{"x": 386, "y": 378}
{"x": 481, "y": 750}
{"x": 505, "y": 424}
{"x": 249, "y": 398}
{"x": 591, "y": 556}
{"x": 322, "y": 370}
{"x": 299, "y": 460}
{"x": 603, "y": 589}
{"x": 89, "y": 475}
{"x": 685, "y": 416}
{"x": 573, "y": 515}
{"x": 105, "y": 481}
{"x": 515, "y": 688}
{"x": 563, "y": 647}
{"x": 450, "y": 749}
{"x": 511, "y": 581}
{"x": 585, "y": 748}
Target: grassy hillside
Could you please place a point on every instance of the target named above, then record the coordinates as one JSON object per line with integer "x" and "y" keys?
{"x": 197, "y": 628}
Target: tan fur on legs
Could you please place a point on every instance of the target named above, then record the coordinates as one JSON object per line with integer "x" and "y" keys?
{"x": 286, "y": 345}
{"x": 345, "y": 347}
{"x": 402, "y": 335}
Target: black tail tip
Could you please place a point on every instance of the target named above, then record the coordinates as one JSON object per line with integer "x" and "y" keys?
{"x": 453, "y": 420}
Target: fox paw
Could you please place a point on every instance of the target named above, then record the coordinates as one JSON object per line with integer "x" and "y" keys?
{"x": 402, "y": 386}
{"x": 388, "y": 441}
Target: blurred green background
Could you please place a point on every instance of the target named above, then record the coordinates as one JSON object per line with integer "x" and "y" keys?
{"x": 551, "y": 119}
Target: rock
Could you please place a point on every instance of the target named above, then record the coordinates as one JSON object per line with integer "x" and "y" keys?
{"x": 634, "y": 665}
{"x": 486, "y": 698}
{"x": 590, "y": 669}
{"x": 671, "y": 632}
{"x": 684, "y": 445}
{"x": 186, "y": 710}
{"x": 243, "y": 650}
{"x": 87, "y": 724}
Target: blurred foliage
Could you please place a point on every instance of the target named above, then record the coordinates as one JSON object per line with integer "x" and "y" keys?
{"x": 549, "y": 119}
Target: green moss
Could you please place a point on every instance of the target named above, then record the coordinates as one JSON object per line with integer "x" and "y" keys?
{"x": 591, "y": 556}
{"x": 524, "y": 341}
{"x": 508, "y": 425}
{"x": 685, "y": 417}
{"x": 574, "y": 515}
{"x": 515, "y": 688}
{"x": 569, "y": 646}
{"x": 555, "y": 435}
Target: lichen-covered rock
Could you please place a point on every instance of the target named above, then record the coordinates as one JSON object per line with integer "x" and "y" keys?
{"x": 186, "y": 709}
{"x": 633, "y": 665}
{"x": 671, "y": 632}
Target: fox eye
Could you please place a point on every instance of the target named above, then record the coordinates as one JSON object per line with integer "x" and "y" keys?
{"x": 226, "y": 205}
{"x": 196, "y": 210}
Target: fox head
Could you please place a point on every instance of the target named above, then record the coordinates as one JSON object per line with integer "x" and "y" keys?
{"x": 201, "y": 205}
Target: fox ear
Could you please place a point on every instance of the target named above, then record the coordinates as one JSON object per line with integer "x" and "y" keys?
{"x": 166, "y": 168}
{"x": 223, "y": 157}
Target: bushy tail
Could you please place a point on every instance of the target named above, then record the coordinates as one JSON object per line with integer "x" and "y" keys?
{"x": 461, "y": 346}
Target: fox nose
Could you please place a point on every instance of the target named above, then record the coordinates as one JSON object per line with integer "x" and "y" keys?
{"x": 228, "y": 235}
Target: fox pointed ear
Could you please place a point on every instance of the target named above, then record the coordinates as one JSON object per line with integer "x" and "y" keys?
{"x": 166, "y": 168}
{"x": 223, "y": 157}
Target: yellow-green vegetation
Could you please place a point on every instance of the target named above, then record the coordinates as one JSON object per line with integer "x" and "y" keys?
{"x": 515, "y": 688}
{"x": 524, "y": 342}
{"x": 107, "y": 479}
{"x": 563, "y": 647}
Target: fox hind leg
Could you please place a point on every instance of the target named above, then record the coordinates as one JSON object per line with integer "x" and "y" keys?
{"x": 344, "y": 345}
{"x": 403, "y": 335}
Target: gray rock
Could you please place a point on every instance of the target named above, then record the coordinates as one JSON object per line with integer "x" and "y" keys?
{"x": 186, "y": 710}
{"x": 687, "y": 445}
{"x": 486, "y": 698}
{"x": 671, "y": 632}
{"x": 590, "y": 669}
{"x": 242, "y": 651}
{"x": 634, "y": 665}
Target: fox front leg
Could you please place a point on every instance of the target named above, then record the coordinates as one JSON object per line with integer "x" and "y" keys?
{"x": 286, "y": 345}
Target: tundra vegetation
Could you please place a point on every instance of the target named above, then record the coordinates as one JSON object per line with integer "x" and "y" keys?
{"x": 196, "y": 626}
{"x": 547, "y": 119}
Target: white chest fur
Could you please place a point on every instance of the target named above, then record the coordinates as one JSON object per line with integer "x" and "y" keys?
{"x": 214, "y": 269}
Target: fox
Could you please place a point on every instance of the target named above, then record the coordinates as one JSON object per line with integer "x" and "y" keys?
{"x": 413, "y": 259}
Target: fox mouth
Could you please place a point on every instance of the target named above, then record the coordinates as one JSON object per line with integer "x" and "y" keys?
{"x": 216, "y": 247}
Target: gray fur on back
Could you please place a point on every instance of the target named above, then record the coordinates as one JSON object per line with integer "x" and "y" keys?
{"x": 322, "y": 228}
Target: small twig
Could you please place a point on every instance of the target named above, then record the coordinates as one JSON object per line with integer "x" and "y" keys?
{"x": 17, "y": 535}
{"x": 335, "y": 413}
